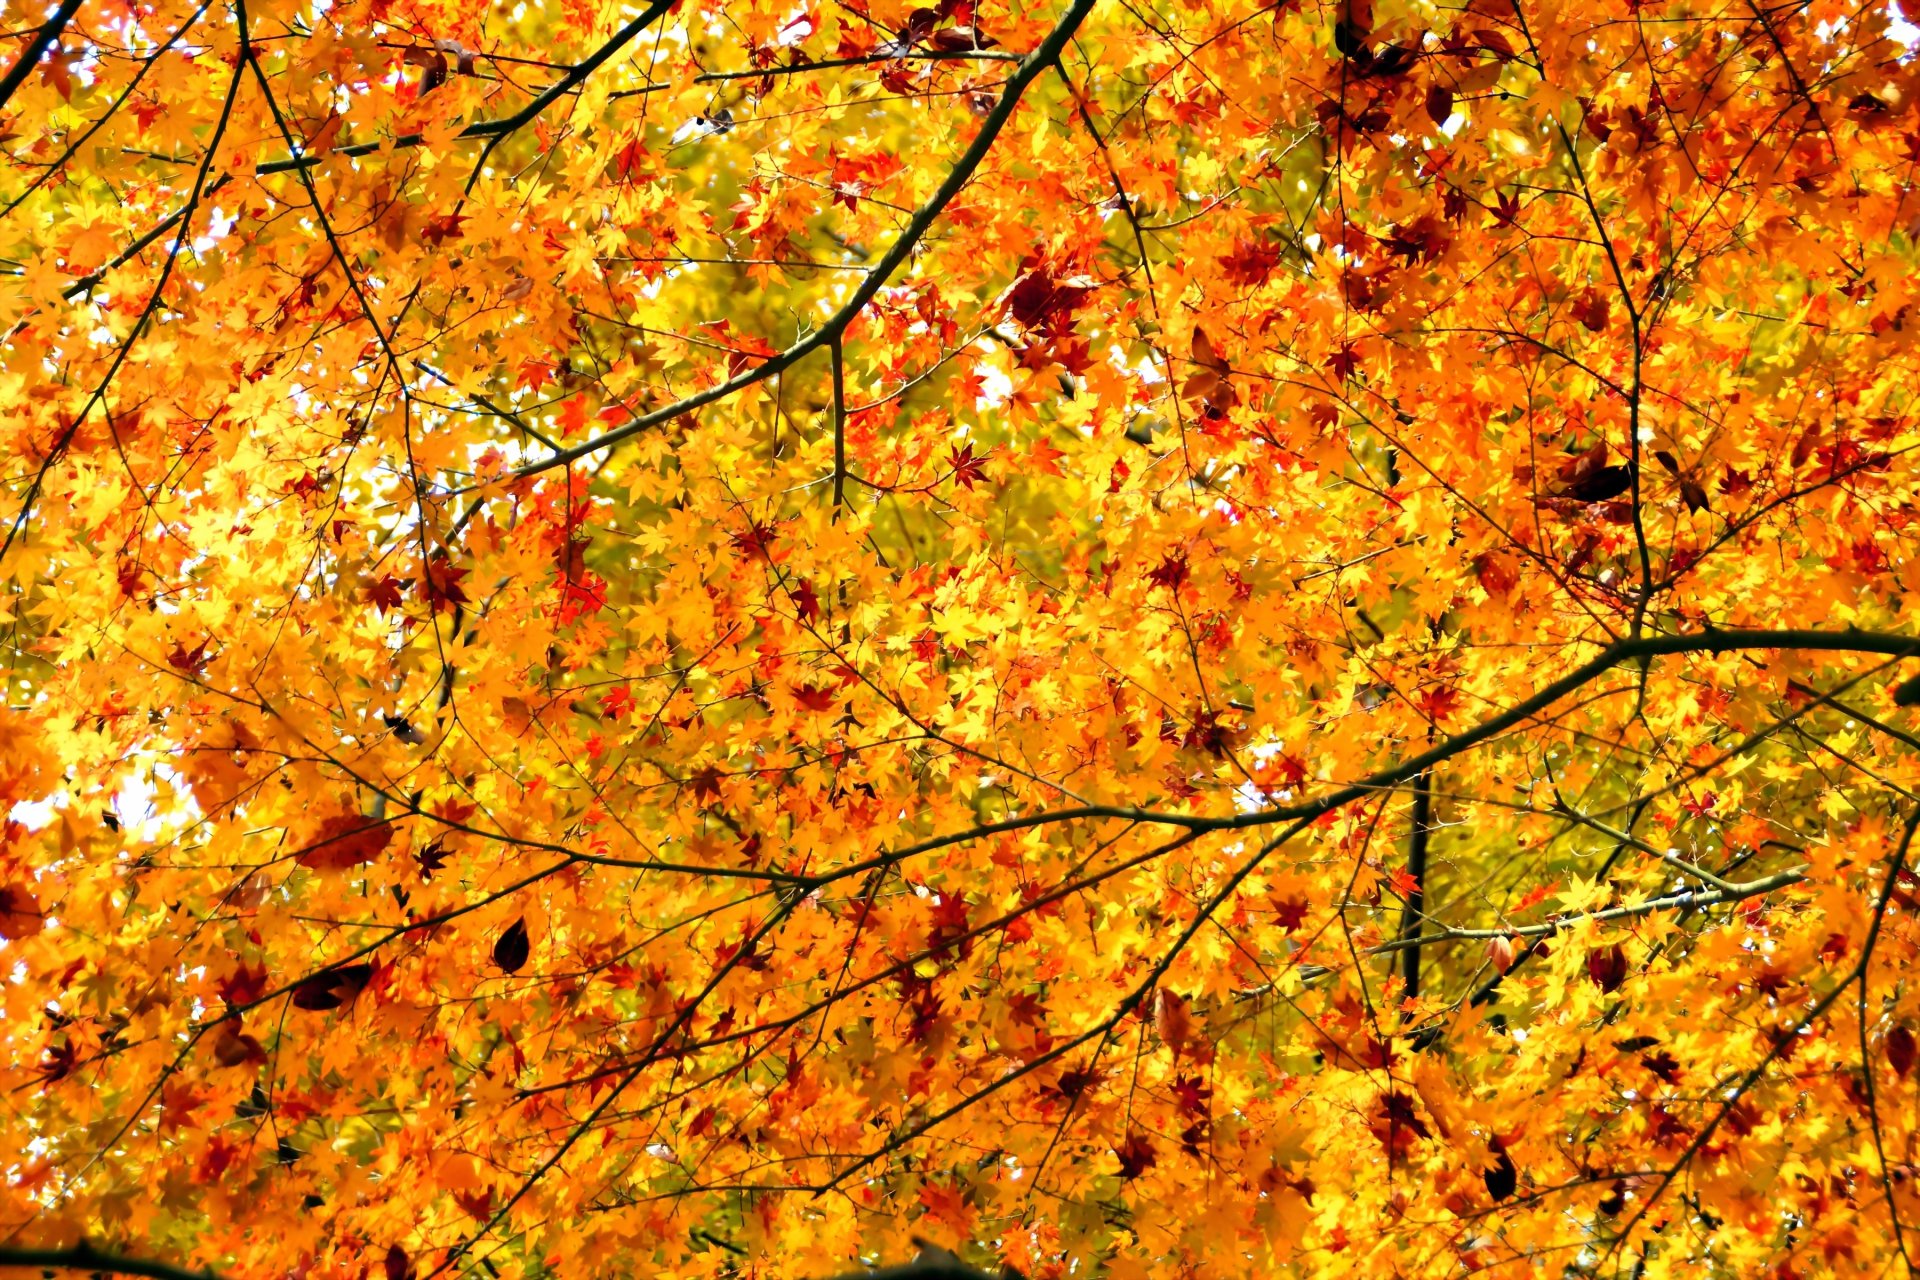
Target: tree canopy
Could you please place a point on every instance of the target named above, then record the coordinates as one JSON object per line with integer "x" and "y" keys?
{"x": 1136, "y": 638}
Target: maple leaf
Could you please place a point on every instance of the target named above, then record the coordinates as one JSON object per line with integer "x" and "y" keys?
{"x": 56, "y": 70}
{"x": 967, "y": 469}
{"x": 242, "y": 986}
{"x": 345, "y": 840}
{"x": 20, "y": 913}
{"x": 1045, "y": 459}
{"x": 1039, "y": 299}
{"x": 430, "y": 859}
{"x": 805, "y": 603}
{"x": 1591, "y": 310}
{"x": 234, "y": 1048}
{"x": 1172, "y": 1020}
{"x": 1053, "y": 802}
{"x": 1136, "y": 1156}
{"x": 441, "y": 582}
{"x": 1170, "y": 573}
{"x": 757, "y": 540}
{"x": 1192, "y": 1095}
{"x": 815, "y": 698}
{"x": 190, "y": 661}
{"x": 1396, "y": 1123}
{"x": 1252, "y": 261}
{"x": 949, "y": 927}
{"x": 1439, "y": 701}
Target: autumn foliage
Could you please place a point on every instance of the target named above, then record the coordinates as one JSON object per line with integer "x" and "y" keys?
{"x": 1171, "y": 638}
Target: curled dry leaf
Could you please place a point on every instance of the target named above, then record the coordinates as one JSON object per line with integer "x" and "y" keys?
{"x": 1900, "y": 1049}
{"x": 511, "y": 948}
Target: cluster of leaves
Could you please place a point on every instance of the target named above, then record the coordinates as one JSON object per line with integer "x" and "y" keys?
{"x": 1138, "y": 638}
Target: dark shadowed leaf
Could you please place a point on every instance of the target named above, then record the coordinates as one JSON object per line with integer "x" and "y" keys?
{"x": 510, "y": 950}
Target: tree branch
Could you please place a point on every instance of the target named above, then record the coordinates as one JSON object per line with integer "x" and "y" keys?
{"x": 85, "y": 1257}
{"x": 30, "y": 56}
{"x": 839, "y": 427}
{"x": 917, "y": 227}
{"x": 1422, "y": 824}
{"x": 1689, "y": 898}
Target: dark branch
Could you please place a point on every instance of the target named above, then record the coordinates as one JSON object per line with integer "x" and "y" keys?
{"x": 1422, "y": 823}
{"x": 922, "y": 221}
{"x": 85, "y": 1257}
{"x": 30, "y": 56}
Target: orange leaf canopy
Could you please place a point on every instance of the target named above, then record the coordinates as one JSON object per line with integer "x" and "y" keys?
{"x": 1192, "y": 639}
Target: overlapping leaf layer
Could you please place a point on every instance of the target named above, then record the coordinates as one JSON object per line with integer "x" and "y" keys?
{"x": 1133, "y": 637}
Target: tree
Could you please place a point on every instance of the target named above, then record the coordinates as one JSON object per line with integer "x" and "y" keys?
{"x": 1132, "y": 638}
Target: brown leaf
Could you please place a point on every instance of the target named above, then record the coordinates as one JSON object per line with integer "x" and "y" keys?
{"x": 517, "y": 715}
{"x": 959, "y": 39}
{"x": 1502, "y": 1178}
{"x": 1900, "y": 1050}
{"x": 1208, "y": 381}
{"x": 1136, "y": 1156}
{"x": 1172, "y": 1019}
{"x": 511, "y": 949}
{"x": 332, "y": 988}
{"x": 232, "y": 1048}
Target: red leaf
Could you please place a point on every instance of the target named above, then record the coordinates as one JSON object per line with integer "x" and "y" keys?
{"x": 20, "y": 914}
{"x": 385, "y": 593}
{"x": 190, "y": 661}
{"x": 1900, "y": 1050}
{"x": 1191, "y": 1095}
{"x": 967, "y": 469}
{"x": 814, "y": 699}
{"x": 1169, "y": 573}
{"x": 1607, "y": 967}
{"x": 443, "y": 582}
{"x": 1136, "y": 1156}
{"x": 1591, "y": 310}
{"x": 345, "y": 840}
{"x": 805, "y": 602}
